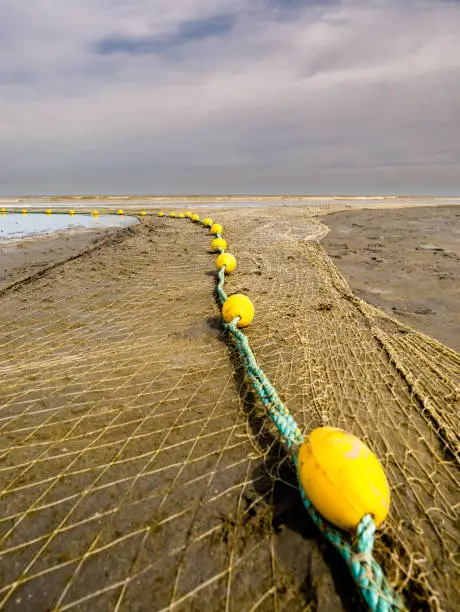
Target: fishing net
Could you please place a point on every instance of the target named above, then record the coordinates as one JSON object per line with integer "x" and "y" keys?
{"x": 138, "y": 470}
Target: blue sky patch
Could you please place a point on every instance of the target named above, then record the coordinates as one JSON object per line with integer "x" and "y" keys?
{"x": 188, "y": 31}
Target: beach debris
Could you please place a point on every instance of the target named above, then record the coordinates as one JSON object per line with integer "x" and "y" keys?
{"x": 238, "y": 306}
{"x": 323, "y": 307}
{"x": 343, "y": 478}
{"x": 429, "y": 247}
{"x": 218, "y": 244}
{"x": 226, "y": 260}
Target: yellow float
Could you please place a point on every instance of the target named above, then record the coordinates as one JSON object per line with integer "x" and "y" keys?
{"x": 161, "y": 213}
{"x": 218, "y": 243}
{"x": 188, "y": 214}
{"x": 24, "y": 211}
{"x": 195, "y": 217}
{"x": 48, "y": 211}
{"x": 343, "y": 478}
{"x": 142, "y": 213}
{"x": 180, "y": 216}
{"x": 120, "y": 211}
{"x": 227, "y": 260}
{"x": 207, "y": 221}
{"x": 71, "y": 212}
{"x": 238, "y": 305}
{"x": 216, "y": 228}
{"x": 95, "y": 213}
{"x": 172, "y": 214}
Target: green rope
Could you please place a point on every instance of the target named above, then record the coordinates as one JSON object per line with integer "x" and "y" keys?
{"x": 220, "y": 285}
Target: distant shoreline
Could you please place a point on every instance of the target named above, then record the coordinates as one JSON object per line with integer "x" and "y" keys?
{"x": 222, "y": 198}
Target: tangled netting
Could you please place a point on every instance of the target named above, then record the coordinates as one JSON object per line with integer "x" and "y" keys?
{"x": 138, "y": 469}
{"x": 356, "y": 549}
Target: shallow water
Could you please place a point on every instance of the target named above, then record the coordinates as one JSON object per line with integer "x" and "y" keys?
{"x": 14, "y": 226}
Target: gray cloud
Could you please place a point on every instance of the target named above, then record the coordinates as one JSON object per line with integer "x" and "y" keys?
{"x": 248, "y": 96}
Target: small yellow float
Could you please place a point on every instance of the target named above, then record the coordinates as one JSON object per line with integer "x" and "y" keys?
{"x": 216, "y": 228}
{"x": 227, "y": 260}
{"x": 218, "y": 243}
{"x": 238, "y": 305}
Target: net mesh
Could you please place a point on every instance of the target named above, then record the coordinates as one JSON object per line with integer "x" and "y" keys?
{"x": 138, "y": 470}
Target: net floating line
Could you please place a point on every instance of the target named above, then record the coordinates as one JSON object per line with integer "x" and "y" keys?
{"x": 357, "y": 548}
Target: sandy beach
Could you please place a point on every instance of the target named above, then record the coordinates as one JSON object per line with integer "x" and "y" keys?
{"x": 22, "y": 258}
{"x": 405, "y": 261}
{"x": 138, "y": 469}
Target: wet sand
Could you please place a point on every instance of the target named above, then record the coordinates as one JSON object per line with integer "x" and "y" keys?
{"x": 404, "y": 261}
{"x": 21, "y": 258}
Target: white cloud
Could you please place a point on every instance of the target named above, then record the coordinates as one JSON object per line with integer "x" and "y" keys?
{"x": 301, "y": 101}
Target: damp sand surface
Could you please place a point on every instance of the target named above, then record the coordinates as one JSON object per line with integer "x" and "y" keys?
{"x": 22, "y": 258}
{"x": 138, "y": 470}
{"x": 404, "y": 261}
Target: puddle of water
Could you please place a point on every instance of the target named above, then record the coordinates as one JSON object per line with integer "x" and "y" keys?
{"x": 14, "y": 226}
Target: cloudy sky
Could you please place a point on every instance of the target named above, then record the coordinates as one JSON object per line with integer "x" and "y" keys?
{"x": 229, "y": 96}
